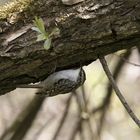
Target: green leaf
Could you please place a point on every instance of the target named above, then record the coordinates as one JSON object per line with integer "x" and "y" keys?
{"x": 41, "y": 37}
{"x": 38, "y": 22}
{"x": 47, "y": 44}
{"x": 55, "y": 32}
{"x": 36, "y": 29}
{"x": 42, "y": 34}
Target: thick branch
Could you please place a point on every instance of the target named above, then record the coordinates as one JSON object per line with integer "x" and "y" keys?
{"x": 87, "y": 30}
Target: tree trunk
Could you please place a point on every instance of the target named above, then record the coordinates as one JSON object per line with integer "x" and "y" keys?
{"x": 87, "y": 30}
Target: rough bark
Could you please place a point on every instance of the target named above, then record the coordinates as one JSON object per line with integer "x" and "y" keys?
{"x": 87, "y": 30}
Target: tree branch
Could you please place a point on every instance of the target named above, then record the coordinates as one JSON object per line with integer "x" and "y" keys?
{"x": 63, "y": 119}
{"x": 107, "y": 100}
{"x": 118, "y": 92}
{"x": 84, "y": 35}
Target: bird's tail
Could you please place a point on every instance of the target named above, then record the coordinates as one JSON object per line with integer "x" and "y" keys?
{"x": 29, "y": 86}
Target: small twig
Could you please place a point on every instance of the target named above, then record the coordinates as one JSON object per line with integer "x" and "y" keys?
{"x": 46, "y": 124}
{"x": 107, "y": 100}
{"x": 78, "y": 125}
{"x": 118, "y": 93}
{"x": 86, "y": 110}
{"x": 83, "y": 107}
{"x": 127, "y": 61}
{"x": 84, "y": 96}
{"x": 63, "y": 117}
{"x": 81, "y": 132}
{"x": 75, "y": 129}
{"x": 138, "y": 49}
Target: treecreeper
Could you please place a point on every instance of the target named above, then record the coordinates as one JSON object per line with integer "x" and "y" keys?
{"x": 60, "y": 82}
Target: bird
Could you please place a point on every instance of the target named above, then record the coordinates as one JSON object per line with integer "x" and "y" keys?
{"x": 60, "y": 82}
